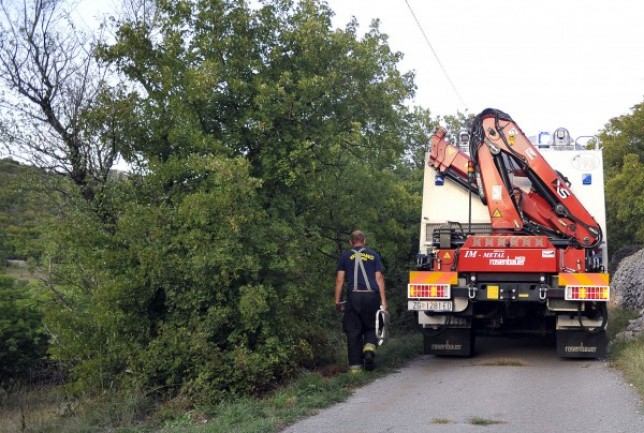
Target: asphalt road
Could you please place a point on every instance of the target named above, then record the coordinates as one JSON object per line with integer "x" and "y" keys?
{"x": 512, "y": 385}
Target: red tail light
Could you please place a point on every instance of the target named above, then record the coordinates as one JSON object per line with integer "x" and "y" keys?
{"x": 587, "y": 293}
{"x": 428, "y": 291}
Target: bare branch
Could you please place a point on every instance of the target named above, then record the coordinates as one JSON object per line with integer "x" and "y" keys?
{"x": 53, "y": 81}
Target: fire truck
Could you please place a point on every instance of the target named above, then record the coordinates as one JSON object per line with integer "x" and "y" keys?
{"x": 511, "y": 240}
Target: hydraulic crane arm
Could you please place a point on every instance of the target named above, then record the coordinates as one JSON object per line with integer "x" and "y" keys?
{"x": 521, "y": 190}
{"x": 450, "y": 161}
{"x": 501, "y": 136}
{"x": 457, "y": 166}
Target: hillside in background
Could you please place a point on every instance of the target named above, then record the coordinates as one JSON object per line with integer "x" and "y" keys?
{"x": 22, "y": 209}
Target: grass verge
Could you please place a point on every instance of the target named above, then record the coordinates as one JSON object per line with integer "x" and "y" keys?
{"x": 50, "y": 409}
{"x": 627, "y": 356}
{"x": 618, "y": 320}
{"x": 301, "y": 397}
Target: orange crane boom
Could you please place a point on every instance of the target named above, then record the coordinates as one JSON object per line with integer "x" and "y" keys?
{"x": 522, "y": 191}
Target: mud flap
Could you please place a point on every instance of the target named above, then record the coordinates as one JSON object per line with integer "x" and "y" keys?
{"x": 581, "y": 344}
{"x": 448, "y": 341}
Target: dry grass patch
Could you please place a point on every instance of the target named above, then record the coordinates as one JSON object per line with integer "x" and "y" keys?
{"x": 477, "y": 420}
{"x": 29, "y": 410}
{"x": 504, "y": 362}
{"x": 441, "y": 421}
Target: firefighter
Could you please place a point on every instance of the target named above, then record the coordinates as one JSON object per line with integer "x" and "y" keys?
{"x": 362, "y": 269}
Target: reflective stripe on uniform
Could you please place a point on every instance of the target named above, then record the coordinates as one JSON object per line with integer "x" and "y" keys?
{"x": 358, "y": 265}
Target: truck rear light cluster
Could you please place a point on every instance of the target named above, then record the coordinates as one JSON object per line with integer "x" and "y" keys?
{"x": 428, "y": 291}
{"x": 587, "y": 293}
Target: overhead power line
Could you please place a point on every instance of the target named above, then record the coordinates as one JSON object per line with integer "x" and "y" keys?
{"x": 438, "y": 60}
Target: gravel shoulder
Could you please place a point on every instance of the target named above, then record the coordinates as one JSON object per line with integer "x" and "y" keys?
{"x": 512, "y": 385}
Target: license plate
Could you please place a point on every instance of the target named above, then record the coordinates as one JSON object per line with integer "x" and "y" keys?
{"x": 430, "y": 305}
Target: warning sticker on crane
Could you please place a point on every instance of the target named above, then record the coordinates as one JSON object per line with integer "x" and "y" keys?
{"x": 512, "y": 136}
{"x": 497, "y": 213}
{"x": 497, "y": 192}
{"x": 447, "y": 256}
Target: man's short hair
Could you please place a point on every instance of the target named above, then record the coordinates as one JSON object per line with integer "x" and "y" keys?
{"x": 357, "y": 236}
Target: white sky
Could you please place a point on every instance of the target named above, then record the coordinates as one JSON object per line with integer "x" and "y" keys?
{"x": 548, "y": 63}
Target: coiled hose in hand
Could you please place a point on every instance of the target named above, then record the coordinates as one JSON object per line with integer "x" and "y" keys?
{"x": 382, "y": 325}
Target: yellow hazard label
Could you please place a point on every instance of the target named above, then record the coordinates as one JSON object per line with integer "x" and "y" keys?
{"x": 493, "y": 292}
{"x": 447, "y": 256}
{"x": 496, "y": 213}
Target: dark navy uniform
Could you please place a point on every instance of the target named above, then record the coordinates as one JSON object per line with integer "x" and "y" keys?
{"x": 363, "y": 300}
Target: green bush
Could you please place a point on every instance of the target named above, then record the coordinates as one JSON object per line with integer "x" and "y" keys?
{"x": 22, "y": 340}
{"x": 183, "y": 293}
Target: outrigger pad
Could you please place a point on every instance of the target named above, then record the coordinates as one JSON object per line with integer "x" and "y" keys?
{"x": 448, "y": 341}
{"x": 581, "y": 344}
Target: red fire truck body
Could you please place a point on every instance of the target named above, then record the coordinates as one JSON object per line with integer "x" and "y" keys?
{"x": 506, "y": 245}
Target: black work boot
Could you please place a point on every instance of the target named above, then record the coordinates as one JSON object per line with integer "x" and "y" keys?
{"x": 369, "y": 353}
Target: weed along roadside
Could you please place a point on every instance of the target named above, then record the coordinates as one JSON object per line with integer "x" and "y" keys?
{"x": 629, "y": 359}
{"x": 45, "y": 411}
{"x": 627, "y": 356}
{"x": 304, "y": 396}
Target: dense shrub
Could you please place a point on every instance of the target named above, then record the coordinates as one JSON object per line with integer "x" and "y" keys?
{"x": 22, "y": 340}
{"x": 186, "y": 291}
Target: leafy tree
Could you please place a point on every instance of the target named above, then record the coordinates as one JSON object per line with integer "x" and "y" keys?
{"x": 623, "y": 143}
{"x": 621, "y": 136}
{"x": 421, "y": 126}
{"x": 302, "y": 102}
{"x": 454, "y": 123}
{"x": 625, "y": 203}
